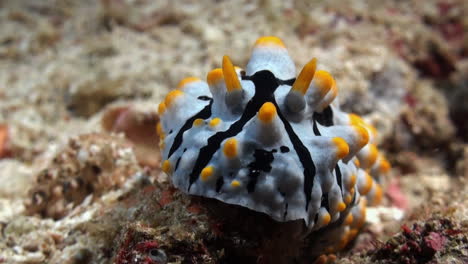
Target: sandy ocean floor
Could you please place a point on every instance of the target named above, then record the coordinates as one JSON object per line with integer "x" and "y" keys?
{"x": 80, "y": 82}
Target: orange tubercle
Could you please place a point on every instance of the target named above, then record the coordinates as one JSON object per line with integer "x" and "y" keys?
{"x": 341, "y": 146}
{"x": 384, "y": 165}
{"x": 267, "y": 112}
{"x": 161, "y": 108}
{"x": 349, "y": 219}
{"x": 378, "y": 195}
{"x": 186, "y": 81}
{"x": 214, "y": 76}
{"x": 230, "y": 148}
{"x": 171, "y": 96}
{"x": 326, "y": 218}
{"x": 367, "y": 185}
{"x": 215, "y": 122}
{"x": 198, "y": 122}
{"x": 363, "y": 135}
{"x": 340, "y": 207}
{"x": 352, "y": 181}
{"x": 373, "y": 153}
{"x": 270, "y": 41}
{"x": 166, "y": 166}
{"x": 206, "y": 173}
{"x": 324, "y": 81}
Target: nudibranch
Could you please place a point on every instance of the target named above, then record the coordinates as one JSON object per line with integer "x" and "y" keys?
{"x": 271, "y": 141}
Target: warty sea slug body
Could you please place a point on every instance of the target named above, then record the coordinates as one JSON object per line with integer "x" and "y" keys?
{"x": 272, "y": 141}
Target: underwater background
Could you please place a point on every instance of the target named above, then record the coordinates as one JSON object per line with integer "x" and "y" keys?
{"x": 80, "y": 164}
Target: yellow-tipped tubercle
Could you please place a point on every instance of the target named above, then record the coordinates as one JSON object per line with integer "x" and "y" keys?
{"x": 159, "y": 129}
{"x": 357, "y": 163}
{"x": 206, "y": 173}
{"x": 326, "y": 218}
{"x": 330, "y": 96}
{"x": 324, "y": 81}
{"x": 384, "y": 165}
{"x": 355, "y": 120}
{"x": 305, "y": 77}
{"x": 349, "y": 219}
{"x": 363, "y": 210}
{"x": 235, "y": 183}
{"x": 267, "y": 112}
{"x": 230, "y": 75}
{"x": 342, "y": 148}
{"x": 363, "y": 135}
{"x": 333, "y": 89}
{"x": 373, "y": 130}
{"x": 367, "y": 185}
{"x": 378, "y": 195}
{"x": 215, "y": 122}
{"x": 171, "y": 96}
{"x": 214, "y": 76}
{"x": 270, "y": 41}
{"x": 166, "y": 166}
{"x": 352, "y": 181}
{"x": 186, "y": 81}
{"x": 230, "y": 148}
{"x": 373, "y": 153}
{"x": 340, "y": 207}
{"x": 161, "y": 108}
{"x": 198, "y": 122}
{"x": 348, "y": 199}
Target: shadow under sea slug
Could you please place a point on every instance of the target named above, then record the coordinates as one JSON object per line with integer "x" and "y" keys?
{"x": 276, "y": 143}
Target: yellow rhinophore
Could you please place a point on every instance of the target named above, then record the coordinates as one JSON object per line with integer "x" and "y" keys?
{"x": 230, "y": 75}
{"x": 305, "y": 77}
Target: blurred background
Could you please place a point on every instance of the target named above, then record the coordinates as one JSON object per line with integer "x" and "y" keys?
{"x": 80, "y": 82}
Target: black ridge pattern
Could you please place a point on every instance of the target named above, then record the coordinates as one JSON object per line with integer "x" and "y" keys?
{"x": 265, "y": 85}
{"x": 203, "y": 114}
